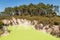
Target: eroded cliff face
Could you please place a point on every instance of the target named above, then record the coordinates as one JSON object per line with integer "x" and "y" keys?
{"x": 48, "y": 28}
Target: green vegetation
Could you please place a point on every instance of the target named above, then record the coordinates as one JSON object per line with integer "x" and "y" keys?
{"x": 20, "y": 33}
{"x": 45, "y": 13}
{"x": 40, "y": 9}
{"x": 45, "y": 20}
{"x": 41, "y": 12}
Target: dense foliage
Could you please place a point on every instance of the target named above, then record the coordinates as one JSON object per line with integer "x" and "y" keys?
{"x": 45, "y": 13}
{"x": 40, "y": 9}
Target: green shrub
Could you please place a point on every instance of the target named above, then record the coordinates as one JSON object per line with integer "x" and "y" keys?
{"x": 42, "y": 19}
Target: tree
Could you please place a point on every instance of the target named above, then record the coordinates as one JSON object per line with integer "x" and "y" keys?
{"x": 16, "y": 10}
{"x": 8, "y": 10}
{"x": 23, "y": 9}
{"x": 33, "y": 10}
